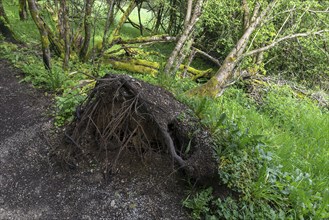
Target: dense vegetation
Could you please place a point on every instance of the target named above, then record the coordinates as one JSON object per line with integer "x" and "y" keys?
{"x": 255, "y": 72}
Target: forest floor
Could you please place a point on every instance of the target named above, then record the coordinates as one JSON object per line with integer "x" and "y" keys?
{"x": 31, "y": 187}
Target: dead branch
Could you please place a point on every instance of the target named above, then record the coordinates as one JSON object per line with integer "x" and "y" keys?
{"x": 274, "y": 43}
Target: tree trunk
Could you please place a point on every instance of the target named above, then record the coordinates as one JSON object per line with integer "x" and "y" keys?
{"x": 87, "y": 27}
{"x": 66, "y": 33}
{"x": 182, "y": 54}
{"x": 183, "y": 38}
{"x": 43, "y": 34}
{"x": 139, "y": 7}
{"x": 173, "y": 17}
{"x": 188, "y": 13}
{"x": 22, "y": 10}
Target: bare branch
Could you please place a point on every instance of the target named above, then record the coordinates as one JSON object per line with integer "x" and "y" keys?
{"x": 214, "y": 60}
{"x": 284, "y": 23}
{"x": 314, "y": 11}
{"x": 274, "y": 43}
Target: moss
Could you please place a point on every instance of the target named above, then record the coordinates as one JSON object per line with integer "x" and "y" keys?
{"x": 45, "y": 41}
{"x": 210, "y": 89}
{"x": 130, "y": 66}
{"x": 146, "y": 63}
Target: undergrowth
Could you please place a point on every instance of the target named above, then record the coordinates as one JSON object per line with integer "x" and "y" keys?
{"x": 274, "y": 155}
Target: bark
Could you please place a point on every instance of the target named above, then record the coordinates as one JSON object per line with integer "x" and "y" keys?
{"x": 183, "y": 38}
{"x": 66, "y": 33}
{"x": 43, "y": 33}
{"x": 55, "y": 43}
{"x": 87, "y": 28}
{"x": 182, "y": 54}
{"x": 189, "y": 61}
{"x": 22, "y": 10}
{"x": 188, "y": 13}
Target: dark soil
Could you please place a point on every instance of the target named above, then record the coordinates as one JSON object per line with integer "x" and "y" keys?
{"x": 32, "y": 188}
{"x": 125, "y": 114}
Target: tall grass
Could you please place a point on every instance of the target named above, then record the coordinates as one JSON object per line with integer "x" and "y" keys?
{"x": 295, "y": 133}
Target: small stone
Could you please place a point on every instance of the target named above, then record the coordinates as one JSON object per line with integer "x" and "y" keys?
{"x": 112, "y": 203}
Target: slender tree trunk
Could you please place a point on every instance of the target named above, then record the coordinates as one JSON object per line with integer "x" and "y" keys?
{"x": 188, "y": 13}
{"x": 22, "y": 10}
{"x": 124, "y": 17}
{"x": 159, "y": 19}
{"x": 183, "y": 53}
{"x": 43, "y": 34}
{"x": 189, "y": 61}
{"x": 170, "y": 66}
{"x": 87, "y": 27}
{"x": 66, "y": 33}
{"x": 108, "y": 22}
{"x": 139, "y": 7}
{"x": 172, "y": 18}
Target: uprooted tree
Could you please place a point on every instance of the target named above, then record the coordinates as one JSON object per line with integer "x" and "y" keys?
{"x": 123, "y": 113}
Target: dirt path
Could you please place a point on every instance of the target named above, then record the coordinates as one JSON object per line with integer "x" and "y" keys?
{"x": 31, "y": 189}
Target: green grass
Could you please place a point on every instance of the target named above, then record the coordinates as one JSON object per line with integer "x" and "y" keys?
{"x": 295, "y": 134}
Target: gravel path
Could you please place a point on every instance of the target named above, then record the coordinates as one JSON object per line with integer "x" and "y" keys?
{"x": 32, "y": 189}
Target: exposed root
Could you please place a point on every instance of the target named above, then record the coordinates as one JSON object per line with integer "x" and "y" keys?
{"x": 123, "y": 114}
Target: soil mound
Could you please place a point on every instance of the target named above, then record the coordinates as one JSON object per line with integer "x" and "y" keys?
{"x": 123, "y": 114}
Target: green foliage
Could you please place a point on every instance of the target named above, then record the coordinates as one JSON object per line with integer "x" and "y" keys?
{"x": 66, "y": 105}
{"x": 273, "y": 155}
{"x": 200, "y": 203}
{"x": 220, "y": 27}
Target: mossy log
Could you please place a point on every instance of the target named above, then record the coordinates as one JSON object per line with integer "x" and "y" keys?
{"x": 123, "y": 113}
{"x": 152, "y": 68}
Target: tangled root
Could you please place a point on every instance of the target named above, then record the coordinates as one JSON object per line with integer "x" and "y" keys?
{"x": 122, "y": 112}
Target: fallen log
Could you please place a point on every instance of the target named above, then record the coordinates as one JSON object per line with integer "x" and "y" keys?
{"x": 123, "y": 113}
{"x": 151, "y": 68}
